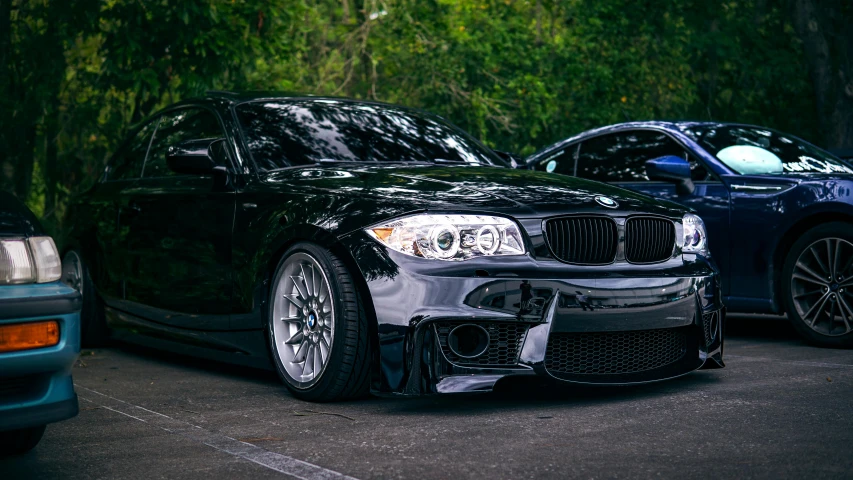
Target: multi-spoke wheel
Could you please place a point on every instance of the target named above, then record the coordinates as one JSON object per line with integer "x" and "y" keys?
{"x": 819, "y": 285}
{"x": 317, "y": 328}
{"x": 93, "y": 327}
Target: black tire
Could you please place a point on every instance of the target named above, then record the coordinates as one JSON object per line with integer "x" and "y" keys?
{"x": 17, "y": 442}
{"x": 93, "y": 325}
{"x": 346, "y": 374}
{"x": 826, "y": 333}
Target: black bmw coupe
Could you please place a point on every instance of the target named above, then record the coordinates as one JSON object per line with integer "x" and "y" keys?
{"x": 357, "y": 247}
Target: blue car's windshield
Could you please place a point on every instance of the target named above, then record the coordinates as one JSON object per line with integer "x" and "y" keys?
{"x": 758, "y": 151}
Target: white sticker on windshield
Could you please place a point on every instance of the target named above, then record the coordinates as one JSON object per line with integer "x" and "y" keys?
{"x": 749, "y": 160}
{"x": 552, "y": 165}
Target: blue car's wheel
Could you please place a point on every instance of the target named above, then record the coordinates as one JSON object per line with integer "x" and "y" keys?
{"x": 818, "y": 285}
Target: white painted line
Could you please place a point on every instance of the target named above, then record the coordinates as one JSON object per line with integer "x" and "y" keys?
{"x": 253, "y": 453}
{"x": 792, "y": 362}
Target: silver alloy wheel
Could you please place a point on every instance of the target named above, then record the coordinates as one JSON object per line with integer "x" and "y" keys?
{"x": 303, "y": 319}
{"x": 821, "y": 286}
{"x": 72, "y": 271}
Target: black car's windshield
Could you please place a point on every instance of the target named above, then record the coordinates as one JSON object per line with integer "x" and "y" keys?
{"x": 757, "y": 151}
{"x": 306, "y": 132}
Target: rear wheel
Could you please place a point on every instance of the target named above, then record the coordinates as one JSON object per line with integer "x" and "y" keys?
{"x": 16, "y": 442}
{"x": 317, "y": 327}
{"x": 818, "y": 285}
{"x": 93, "y": 325}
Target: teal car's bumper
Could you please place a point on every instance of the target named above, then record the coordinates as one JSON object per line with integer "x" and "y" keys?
{"x": 35, "y": 385}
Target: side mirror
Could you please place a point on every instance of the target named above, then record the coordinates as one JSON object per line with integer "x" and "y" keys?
{"x": 670, "y": 168}
{"x": 513, "y": 159}
{"x": 193, "y": 157}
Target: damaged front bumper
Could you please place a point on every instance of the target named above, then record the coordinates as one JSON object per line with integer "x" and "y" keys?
{"x": 615, "y": 325}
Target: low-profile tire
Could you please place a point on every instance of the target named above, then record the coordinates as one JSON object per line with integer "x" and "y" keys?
{"x": 817, "y": 285}
{"x": 93, "y": 326}
{"x": 317, "y": 327}
{"x": 17, "y": 442}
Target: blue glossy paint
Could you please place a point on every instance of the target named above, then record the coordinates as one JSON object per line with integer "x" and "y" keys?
{"x": 669, "y": 167}
{"x": 752, "y": 220}
{"x": 49, "y": 394}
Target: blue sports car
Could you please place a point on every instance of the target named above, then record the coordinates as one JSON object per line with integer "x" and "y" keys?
{"x": 39, "y": 331}
{"x": 779, "y": 211}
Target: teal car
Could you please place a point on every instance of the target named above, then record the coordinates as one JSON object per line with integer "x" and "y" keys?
{"x": 39, "y": 331}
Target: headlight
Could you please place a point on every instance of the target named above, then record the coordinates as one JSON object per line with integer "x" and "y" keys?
{"x": 695, "y": 236}
{"x": 451, "y": 237}
{"x": 27, "y": 261}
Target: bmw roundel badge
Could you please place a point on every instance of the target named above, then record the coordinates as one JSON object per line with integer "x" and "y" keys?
{"x": 606, "y": 202}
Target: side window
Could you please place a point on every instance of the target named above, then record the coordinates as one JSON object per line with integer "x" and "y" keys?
{"x": 127, "y": 162}
{"x": 603, "y": 159}
{"x": 561, "y": 161}
{"x": 621, "y": 157}
{"x": 189, "y": 124}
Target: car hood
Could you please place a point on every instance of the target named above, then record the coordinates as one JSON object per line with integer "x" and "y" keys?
{"x": 519, "y": 193}
{"x": 16, "y": 219}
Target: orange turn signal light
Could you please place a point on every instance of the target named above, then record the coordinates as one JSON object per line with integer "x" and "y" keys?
{"x": 382, "y": 233}
{"x": 26, "y": 336}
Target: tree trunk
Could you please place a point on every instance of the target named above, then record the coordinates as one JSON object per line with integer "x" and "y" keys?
{"x": 824, "y": 28}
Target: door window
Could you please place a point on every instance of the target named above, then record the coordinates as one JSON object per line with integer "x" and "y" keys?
{"x": 128, "y": 161}
{"x": 175, "y": 127}
{"x": 621, "y": 157}
{"x": 561, "y": 161}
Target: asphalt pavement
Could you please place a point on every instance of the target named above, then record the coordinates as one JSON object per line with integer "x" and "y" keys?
{"x": 780, "y": 409}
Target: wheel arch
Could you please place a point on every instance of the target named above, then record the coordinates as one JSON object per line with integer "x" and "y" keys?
{"x": 786, "y": 241}
{"x": 313, "y": 234}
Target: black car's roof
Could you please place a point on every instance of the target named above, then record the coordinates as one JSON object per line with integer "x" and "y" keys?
{"x": 248, "y": 96}
{"x": 235, "y": 98}
{"x": 16, "y": 218}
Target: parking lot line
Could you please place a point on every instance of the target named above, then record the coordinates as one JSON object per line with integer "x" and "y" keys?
{"x": 274, "y": 461}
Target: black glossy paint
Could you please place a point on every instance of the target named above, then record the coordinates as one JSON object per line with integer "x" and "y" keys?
{"x": 16, "y": 219}
{"x": 185, "y": 262}
{"x": 752, "y": 220}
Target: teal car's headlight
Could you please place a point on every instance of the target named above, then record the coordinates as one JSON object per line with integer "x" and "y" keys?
{"x": 27, "y": 261}
{"x": 695, "y": 238}
{"x": 450, "y": 237}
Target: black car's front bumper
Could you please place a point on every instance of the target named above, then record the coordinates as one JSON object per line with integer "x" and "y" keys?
{"x": 604, "y": 325}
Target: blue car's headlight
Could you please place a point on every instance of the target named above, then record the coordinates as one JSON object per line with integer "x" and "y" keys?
{"x": 27, "y": 261}
{"x": 695, "y": 237}
{"x": 450, "y": 237}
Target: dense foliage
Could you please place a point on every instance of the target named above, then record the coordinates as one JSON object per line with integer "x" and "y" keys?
{"x": 518, "y": 74}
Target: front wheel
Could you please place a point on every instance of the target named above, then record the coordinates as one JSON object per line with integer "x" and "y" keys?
{"x": 17, "y": 442}
{"x": 318, "y": 330}
{"x": 818, "y": 285}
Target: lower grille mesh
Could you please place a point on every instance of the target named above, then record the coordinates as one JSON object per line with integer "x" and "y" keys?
{"x": 21, "y": 388}
{"x": 506, "y": 339}
{"x": 608, "y": 353}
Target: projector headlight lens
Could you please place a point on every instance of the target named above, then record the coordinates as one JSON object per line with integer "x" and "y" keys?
{"x": 695, "y": 236}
